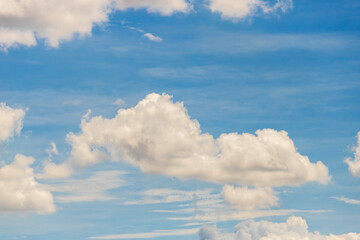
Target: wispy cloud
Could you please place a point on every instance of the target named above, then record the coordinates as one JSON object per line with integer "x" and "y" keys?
{"x": 94, "y": 188}
{"x": 154, "y": 234}
{"x": 347, "y": 200}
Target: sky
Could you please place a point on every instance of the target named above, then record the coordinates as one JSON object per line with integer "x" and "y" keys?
{"x": 180, "y": 119}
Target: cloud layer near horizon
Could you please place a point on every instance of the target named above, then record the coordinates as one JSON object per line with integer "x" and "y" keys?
{"x": 294, "y": 228}
{"x": 158, "y": 136}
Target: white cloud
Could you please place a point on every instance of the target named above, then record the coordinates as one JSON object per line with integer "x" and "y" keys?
{"x": 249, "y": 198}
{"x": 20, "y": 192}
{"x": 23, "y": 22}
{"x": 295, "y": 228}
{"x": 158, "y": 136}
{"x": 11, "y": 120}
{"x": 53, "y": 171}
{"x": 152, "y": 37}
{"x": 354, "y": 165}
{"x": 234, "y": 9}
{"x": 94, "y": 188}
{"x": 154, "y": 234}
{"x": 347, "y": 200}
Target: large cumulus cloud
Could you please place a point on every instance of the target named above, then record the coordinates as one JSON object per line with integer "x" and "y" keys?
{"x": 159, "y": 137}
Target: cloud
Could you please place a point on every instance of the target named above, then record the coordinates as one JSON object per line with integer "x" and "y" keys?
{"x": 119, "y": 102}
{"x": 94, "y": 188}
{"x": 166, "y": 195}
{"x": 234, "y": 9}
{"x": 223, "y": 215}
{"x": 294, "y": 228}
{"x": 154, "y": 234}
{"x": 52, "y": 150}
{"x": 347, "y": 200}
{"x": 20, "y": 192}
{"x": 153, "y": 38}
{"x": 11, "y": 120}
{"x": 158, "y": 136}
{"x": 354, "y": 165}
{"x": 249, "y": 198}
{"x": 24, "y": 22}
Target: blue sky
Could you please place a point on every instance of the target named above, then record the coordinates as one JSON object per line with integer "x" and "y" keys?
{"x": 152, "y": 172}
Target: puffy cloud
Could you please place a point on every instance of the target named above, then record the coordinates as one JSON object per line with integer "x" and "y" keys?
{"x": 235, "y": 9}
{"x": 20, "y": 192}
{"x": 24, "y": 21}
{"x": 152, "y": 37}
{"x": 294, "y": 228}
{"x": 11, "y": 120}
{"x": 158, "y": 136}
{"x": 249, "y": 198}
{"x": 354, "y": 165}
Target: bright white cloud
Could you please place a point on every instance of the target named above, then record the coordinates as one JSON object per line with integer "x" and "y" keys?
{"x": 22, "y": 22}
{"x": 154, "y": 234}
{"x": 347, "y": 200}
{"x": 152, "y": 37}
{"x": 354, "y": 165}
{"x": 11, "y": 120}
{"x": 158, "y": 136}
{"x": 94, "y": 188}
{"x": 20, "y": 192}
{"x": 295, "y": 228}
{"x": 249, "y": 198}
{"x": 234, "y": 9}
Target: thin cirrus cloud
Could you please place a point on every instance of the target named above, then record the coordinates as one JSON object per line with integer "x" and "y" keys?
{"x": 24, "y": 22}
{"x": 347, "y": 200}
{"x": 354, "y": 165}
{"x": 159, "y": 137}
{"x": 154, "y": 234}
{"x": 294, "y": 228}
{"x": 93, "y": 188}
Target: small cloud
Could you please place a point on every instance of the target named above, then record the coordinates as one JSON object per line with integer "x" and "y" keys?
{"x": 347, "y": 200}
{"x": 152, "y": 37}
{"x": 52, "y": 150}
{"x": 119, "y": 102}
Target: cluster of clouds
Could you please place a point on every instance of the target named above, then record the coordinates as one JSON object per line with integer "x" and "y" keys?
{"x": 159, "y": 137}
{"x": 294, "y": 228}
{"x": 24, "y": 22}
{"x": 19, "y": 191}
